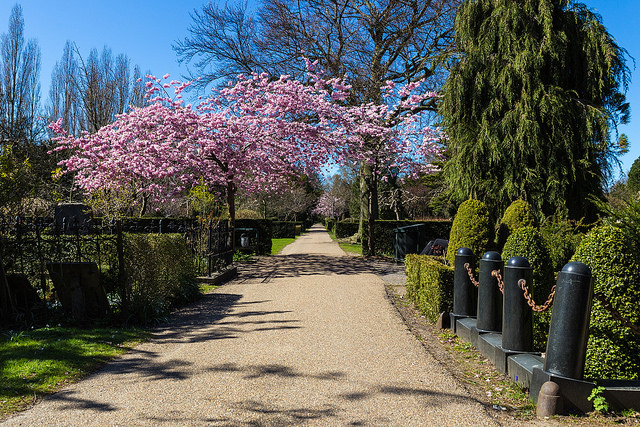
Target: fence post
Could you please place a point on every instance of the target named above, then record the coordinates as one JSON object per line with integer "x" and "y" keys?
{"x": 489, "y": 296}
{"x": 569, "y": 330}
{"x": 122, "y": 282}
{"x": 517, "y": 317}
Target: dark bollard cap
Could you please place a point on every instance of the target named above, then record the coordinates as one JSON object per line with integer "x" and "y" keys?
{"x": 575, "y": 267}
{"x": 518, "y": 262}
{"x": 492, "y": 256}
{"x": 465, "y": 252}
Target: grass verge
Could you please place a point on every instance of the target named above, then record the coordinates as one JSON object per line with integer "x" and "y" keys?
{"x": 39, "y": 362}
{"x": 350, "y": 248}
{"x": 278, "y": 244}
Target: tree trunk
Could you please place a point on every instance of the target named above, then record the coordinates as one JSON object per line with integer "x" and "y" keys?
{"x": 368, "y": 205}
{"x": 231, "y": 204}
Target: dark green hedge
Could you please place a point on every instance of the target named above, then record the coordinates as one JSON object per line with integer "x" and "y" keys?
{"x": 385, "y": 237}
{"x": 265, "y": 233}
{"x": 429, "y": 284}
{"x": 346, "y": 229}
{"x": 283, "y": 229}
{"x": 613, "y": 351}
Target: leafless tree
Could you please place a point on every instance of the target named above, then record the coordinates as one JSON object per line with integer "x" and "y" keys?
{"x": 87, "y": 94}
{"x": 19, "y": 83}
{"x": 367, "y": 42}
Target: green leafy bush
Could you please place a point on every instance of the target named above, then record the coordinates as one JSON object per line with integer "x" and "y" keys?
{"x": 517, "y": 215}
{"x": 160, "y": 275}
{"x": 562, "y": 237}
{"x": 429, "y": 284}
{"x": 470, "y": 229}
{"x": 528, "y": 242}
{"x": 385, "y": 236}
{"x": 613, "y": 351}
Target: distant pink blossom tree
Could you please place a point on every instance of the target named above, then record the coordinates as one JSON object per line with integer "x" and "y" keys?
{"x": 329, "y": 205}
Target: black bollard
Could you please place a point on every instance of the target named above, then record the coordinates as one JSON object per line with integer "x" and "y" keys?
{"x": 569, "y": 330}
{"x": 489, "y": 296}
{"x": 517, "y": 317}
{"x": 464, "y": 293}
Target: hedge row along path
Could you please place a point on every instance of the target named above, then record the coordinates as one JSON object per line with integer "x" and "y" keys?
{"x": 306, "y": 337}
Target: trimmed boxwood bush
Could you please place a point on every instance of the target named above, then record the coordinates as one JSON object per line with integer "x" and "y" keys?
{"x": 613, "y": 351}
{"x": 160, "y": 275}
{"x": 528, "y": 242}
{"x": 470, "y": 229}
{"x": 429, "y": 284}
{"x": 385, "y": 236}
{"x": 517, "y": 215}
{"x": 346, "y": 229}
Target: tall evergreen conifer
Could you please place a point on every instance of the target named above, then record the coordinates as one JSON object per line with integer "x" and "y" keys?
{"x": 531, "y": 104}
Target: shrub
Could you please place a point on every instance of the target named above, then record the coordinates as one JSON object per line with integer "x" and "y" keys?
{"x": 517, "y": 215}
{"x": 160, "y": 275}
{"x": 613, "y": 351}
{"x": 385, "y": 237}
{"x": 528, "y": 242}
{"x": 429, "y": 284}
{"x": 470, "y": 229}
{"x": 562, "y": 237}
{"x": 263, "y": 226}
{"x": 346, "y": 229}
{"x": 283, "y": 229}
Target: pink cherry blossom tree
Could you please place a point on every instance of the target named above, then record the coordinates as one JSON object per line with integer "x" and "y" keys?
{"x": 249, "y": 136}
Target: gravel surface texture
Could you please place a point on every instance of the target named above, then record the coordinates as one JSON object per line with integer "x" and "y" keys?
{"x": 308, "y": 337}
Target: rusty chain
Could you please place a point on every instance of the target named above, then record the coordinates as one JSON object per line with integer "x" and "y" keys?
{"x": 615, "y": 313}
{"x": 498, "y": 276}
{"x": 537, "y": 308}
{"x": 474, "y": 282}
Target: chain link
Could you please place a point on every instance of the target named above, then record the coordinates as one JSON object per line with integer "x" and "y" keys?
{"x": 498, "y": 276}
{"x": 616, "y": 314}
{"x": 537, "y": 308}
{"x": 474, "y": 282}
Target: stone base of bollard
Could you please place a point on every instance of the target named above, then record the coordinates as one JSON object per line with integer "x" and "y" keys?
{"x": 549, "y": 401}
{"x": 444, "y": 321}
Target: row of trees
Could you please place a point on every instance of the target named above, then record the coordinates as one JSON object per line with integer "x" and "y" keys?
{"x": 533, "y": 95}
{"x": 86, "y": 93}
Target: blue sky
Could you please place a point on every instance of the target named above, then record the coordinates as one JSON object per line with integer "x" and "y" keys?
{"x": 145, "y": 31}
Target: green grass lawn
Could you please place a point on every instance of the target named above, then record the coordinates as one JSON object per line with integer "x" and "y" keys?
{"x": 352, "y": 248}
{"x": 39, "y": 362}
{"x": 278, "y": 244}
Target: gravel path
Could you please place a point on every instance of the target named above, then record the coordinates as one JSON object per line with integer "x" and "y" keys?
{"x": 304, "y": 338}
